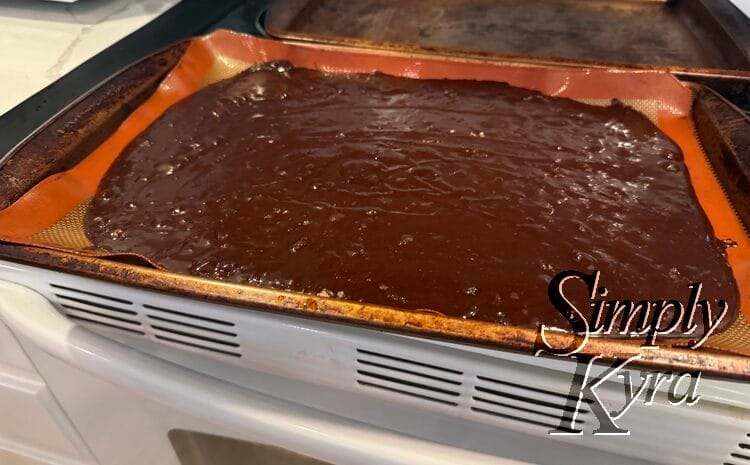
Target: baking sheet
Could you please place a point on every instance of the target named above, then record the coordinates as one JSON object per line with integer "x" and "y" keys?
{"x": 58, "y": 201}
{"x": 681, "y": 34}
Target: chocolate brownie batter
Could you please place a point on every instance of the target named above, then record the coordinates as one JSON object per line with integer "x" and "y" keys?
{"x": 463, "y": 197}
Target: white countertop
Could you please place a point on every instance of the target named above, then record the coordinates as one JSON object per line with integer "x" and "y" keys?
{"x": 743, "y": 5}
{"x": 41, "y": 41}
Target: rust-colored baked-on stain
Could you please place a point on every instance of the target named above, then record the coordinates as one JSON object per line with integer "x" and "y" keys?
{"x": 710, "y": 362}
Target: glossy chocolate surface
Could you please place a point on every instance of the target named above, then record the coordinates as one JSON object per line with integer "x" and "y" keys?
{"x": 462, "y": 197}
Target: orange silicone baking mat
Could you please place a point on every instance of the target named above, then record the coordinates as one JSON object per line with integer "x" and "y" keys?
{"x": 53, "y": 203}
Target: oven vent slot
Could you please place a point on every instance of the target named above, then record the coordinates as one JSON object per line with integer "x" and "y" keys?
{"x": 741, "y": 455}
{"x": 506, "y": 400}
{"x": 410, "y": 378}
{"x": 195, "y": 331}
{"x": 97, "y": 310}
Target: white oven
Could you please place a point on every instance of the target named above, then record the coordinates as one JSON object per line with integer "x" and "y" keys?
{"x": 109, "y": 374}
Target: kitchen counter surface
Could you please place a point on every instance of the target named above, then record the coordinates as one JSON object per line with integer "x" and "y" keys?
{"x": 41, "y": 41}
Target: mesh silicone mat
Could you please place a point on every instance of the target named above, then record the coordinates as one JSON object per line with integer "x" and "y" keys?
{"x": 52, "y": 213}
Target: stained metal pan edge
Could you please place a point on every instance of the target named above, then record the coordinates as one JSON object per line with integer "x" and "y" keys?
{"x": 81, "y": 126}
{"x": 372, "y": 316}
{"x": 250, "y": 298}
